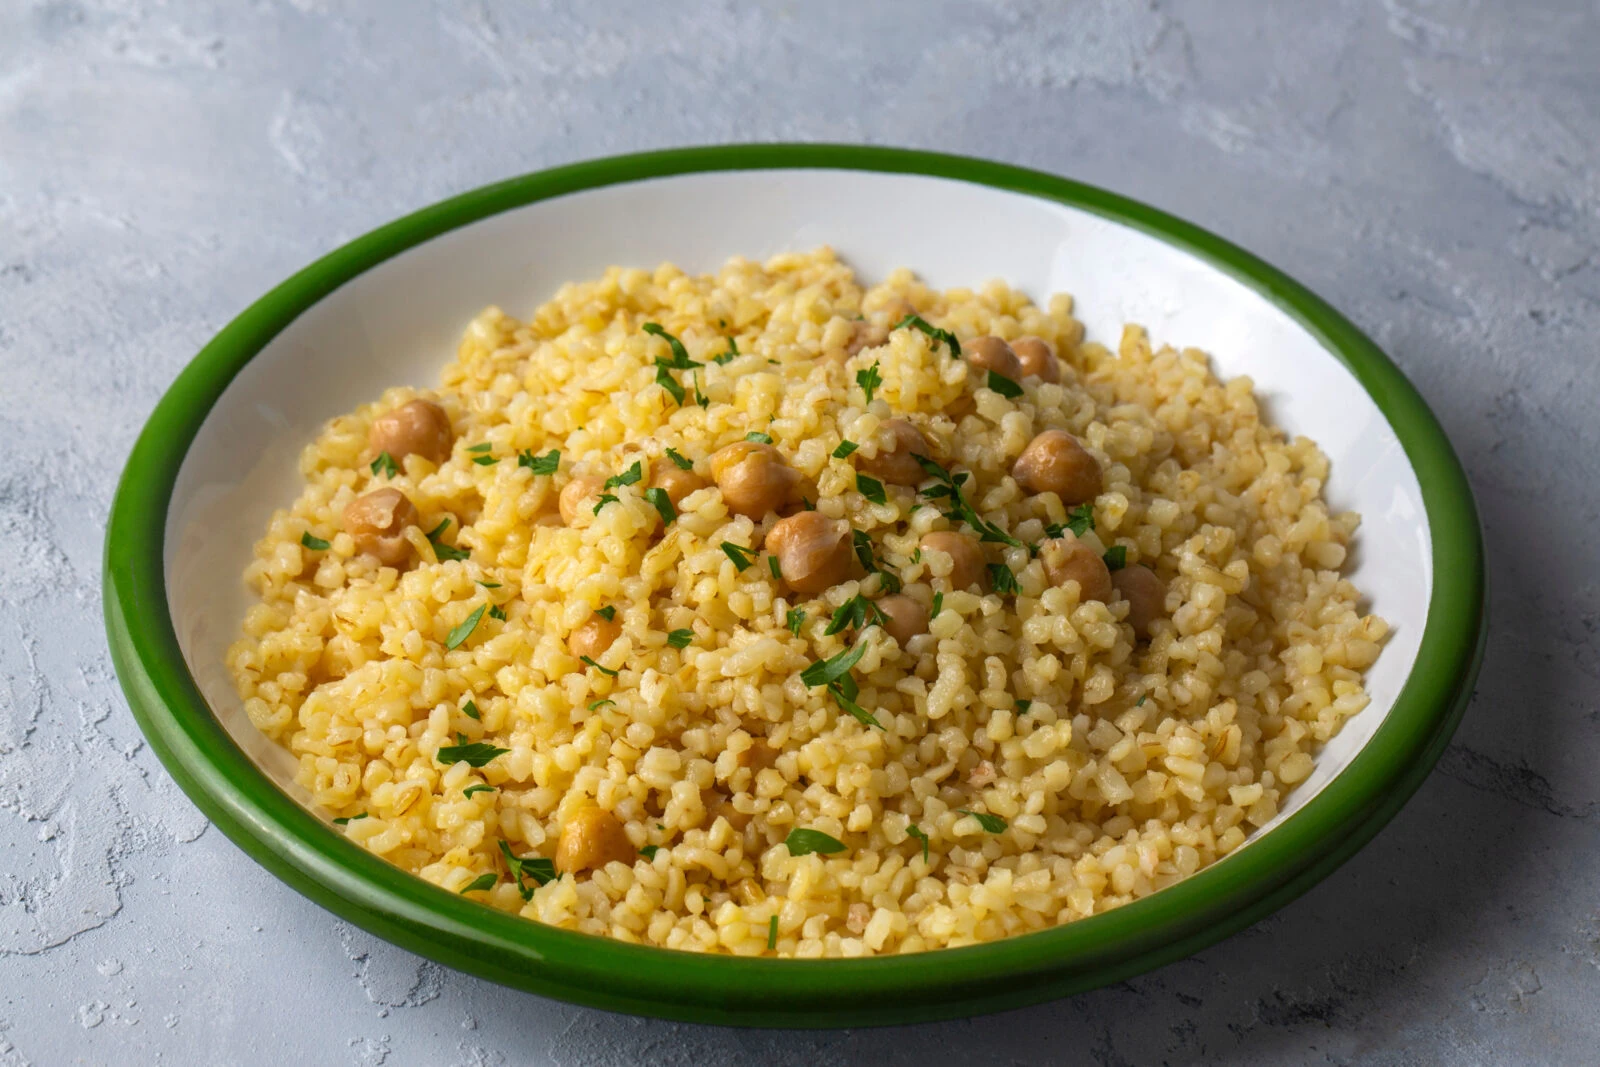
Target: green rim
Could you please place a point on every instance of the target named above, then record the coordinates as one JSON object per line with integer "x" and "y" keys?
{"x": 358, "y": 886}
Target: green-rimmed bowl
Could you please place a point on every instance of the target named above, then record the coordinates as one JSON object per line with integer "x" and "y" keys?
{"x": 219, "y": 454}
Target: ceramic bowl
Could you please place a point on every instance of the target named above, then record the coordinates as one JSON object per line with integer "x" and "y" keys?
{"x": 218, "y": 455}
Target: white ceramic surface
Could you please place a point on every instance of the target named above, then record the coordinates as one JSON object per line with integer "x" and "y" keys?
{"x": 399, "y": 323}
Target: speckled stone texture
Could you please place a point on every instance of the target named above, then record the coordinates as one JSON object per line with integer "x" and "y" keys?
{"x": 1432, "y": 168}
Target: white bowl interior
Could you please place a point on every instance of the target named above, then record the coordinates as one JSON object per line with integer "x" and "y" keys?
{"x": 400, "y": 322}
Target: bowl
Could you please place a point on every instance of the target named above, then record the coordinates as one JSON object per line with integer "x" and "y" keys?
{"x": 219, "y": 454}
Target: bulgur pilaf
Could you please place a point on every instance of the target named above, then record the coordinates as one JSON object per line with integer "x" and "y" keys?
{"x": 764, "y": 613}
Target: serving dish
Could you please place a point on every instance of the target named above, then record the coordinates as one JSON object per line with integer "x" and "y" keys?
{"x": 219, "y": 452}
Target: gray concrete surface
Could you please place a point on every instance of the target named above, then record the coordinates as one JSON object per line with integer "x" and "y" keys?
{"x": 1431, "y": 166}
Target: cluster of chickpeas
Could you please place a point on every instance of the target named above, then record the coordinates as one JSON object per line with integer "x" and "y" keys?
{"x": 814, "y": 552}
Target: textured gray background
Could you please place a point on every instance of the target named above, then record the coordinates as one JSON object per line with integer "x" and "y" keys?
{"x": 1433, "y": 168}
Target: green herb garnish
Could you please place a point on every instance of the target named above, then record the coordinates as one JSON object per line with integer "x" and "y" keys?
{"x": 608, "y": 613}
{"x": 540, "y": 869}
{"x": 833, "y": 668}
{"x": 1004, "y": 386}
{"x": 1142, "y": 699}
{"x": 483, "y": 881}
{"x": 1116, "y": 557}
{"x": 680, "y": 638}
{"x": 485, "y": 461}
{"x": 607, "y": 671}
{"x": 1080, "y": 520}
{"x": 961, "y": 511}
{"x": 682, "y": 462}
{"x": 483, "y": 446}
{"x": 315, "y": 544}
{"x": 464, "y": 631}
{"x": 658, "y": 499}
{"x": 938, "y": 606}
{"x": 917, "y": 322}
{"x": 870, "y": 488}
{"x": 442, "y": 550}
{"x": 649, "y": 851}
{"x": 994, "y": 824}
{"x": 349, "y": 819}
{"x": 1002, "y": 579}
{"x": 605, "y": 498}
{"x": 470, "y": 710}
{"x": 497, "y": 612}
{"x": 854, "y": 614}
{"x": 757, "y": 435}
{"x": 1023, "y": 706}
{"x": 384, "y": 465}
{"x": 665, "y": 379}
{"x": 772, "y": 933}
{"x": 869, "y": 380}
{"x": 488, "y": 585}
{"x": 548, "y": 463}
{"x": 794, "y": 620}
{"x": 916, "y": 831}
{"x": 680, "y": 355}
{"x": 724, "y": 358}
{"x": 803, "y": 842}
{"x": 628, "y": 477}
{"x": 596, "y": 705}
{"x": 475, "y": 754}
{"x": 844, "y": 449}
{"x": 741, "y": 556}
{"x": 479, "y": 788}
{"x": 775, "y": 567}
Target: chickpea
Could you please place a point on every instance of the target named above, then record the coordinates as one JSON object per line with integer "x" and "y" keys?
{"x": 378, "y": 524}
{"x": 966, "y": 559}
{"x": 592, "y": 838}
{"x": 1054, "y": 462}
{"x": 904, "y": 617}
{"x": 1070, "y": 560}
{"x": 1038, "y": 358}
{"x": 814, "y": 551}
{"x": 753, "y": 477}
{"x": 991, "y": 353}
{"x": 593, "y": 636}
{"x": 867, "y": 335}
{"x": 1145, "y": 593}
{"x": 897, "y": 308}
{"x": 897, "y": 464}
{"x": 420, "y": 428}
{"x": 576, "y": 499}
{"x": 719, "y": 805}
{"x": 677, "y": 482}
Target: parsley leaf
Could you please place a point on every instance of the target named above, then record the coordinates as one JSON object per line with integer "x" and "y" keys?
{"x": 485, "y": 461}
{"x": 497, "y": 612}
{"x": 488, "y": 585}
{"x": 772, "y": 932}
{"x": 479, "y": 788}
{"x": 741, "y": 556}
{"x": 442, "y": 550}
{"x": 757, "y": 435}
{"x": 950, "y": 486}
{"x": 627, "y": 477}
{"x": 482, "y": 446}
{"x": 596, "y": 705}
{"x": 680, "y": 355}
{"x": 1002, "y": 579}
{"x": 870, "y": 488}
{"x": 608, "y": 613}
{"x": 607, "y": 671}
{"x": 548, "y": 463}
{"x": 803, "y": 842}
{"x": 540, "y": 869}
{"x": 658, "y": 498}
{"x": 775, "y": 567}
{"x": 1080, "y": 520}
{"x": 1142, "y": 699}
{"x": 835, "y": 667}
{"x": 724, "y": 358}
{"x": 1004, "y": 386}
{"x": 938, "y": 606}
{"x": 854, "y": 613}
{"x": 844, "y": 449}
{"x": 349, "y": 819}
{"x": 869, "y": 380}
{"x": 475, "y": 754}
{"x": 916, "y": 831}
{"x": 1023, "y": 706}
{"x": 994, "y": 824}
{"x": 682, "y": 462}
{"x": 665, "y": 379}
{"x": 384, "y": 465}
{"x": 917, "y": 322}
{"x": 483, "y": 881}
{"x": 1116, "y": 557}
{"x": 649, "y": 851}
{"x": 863, "y": 547}
{"x": 680, "y": 638}
{"x": 464, "y": 631}
{"x": 605, "y": 498}
{"x": 794, "y": 620}
{"x": 470, "y": 710}
{"x": 315, "y": 544}
{"x": 844, "y": 699}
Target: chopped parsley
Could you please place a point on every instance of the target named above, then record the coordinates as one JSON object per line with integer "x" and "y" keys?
{"x": 548, "y": 463}
{"x": 917, "y": 322}
{"x": 869, "y": 380}
{"x": 1002, "y": 579}
{"x": 772, "y": 932}
{"x": 605, "y": 498}
{"x": 596, "y": 705}
{"x": 680, "y": 638}
{"x": 757, "y": 435}
{"x": 1023, "y": 706}
{"x": 794, "y": 620}
{"x": 538, "y": 868}
{"x": 607, "y": 671}
{"x": 1080, "y": 520}
{"x": 665, "y": 379}
{"x": 961, "y": 511}
{"x": 475, "y": 754}
{"x": 993, "y": 824}
{"x": 1142, "y": 699}
{"x": 916, "y": 831}
{"x": 608, "y": 613}
{"x": 803, "y": 842}
{"x": 916, "y": 556}
{"x": 470, "y": 710}
{"x": 1116, "y": 557}
{"x": 844, "y": 449}
{"x": 384, "y": 465}
{"x": 497, "y": 612}
{"x": 938, "y": 606}
{"x": 658, "y": 499}
{"x": 742, "y": 557}
{"x": 682, "y": 462}
{"x": 649, "y": 851}
{"x": 315, "y": 544}
{"x": 349, "y": 819}
{"x": 488, "y": 585}
{"x": 485, "y": 461}
{"x": 680, "y": 361}
{"x": 483, "y": 881}
{"x": 479, "y": 788}
{"x": 483, "y": 446}
{"x": 699, "y": 394}
{"x": 870, "y": 488}
{"x": 863, "y": 547}
{"x": 464, "y": 631}
{"x": 724, "y": 358}
{"x": 775, "y": 567}
{"x": 854, "y": 614}
{"x": 628, "y": 477}
{"x": 442, "y": 550}
{"x": 1004, "y": 386}
{"x": 824, "y": 671}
